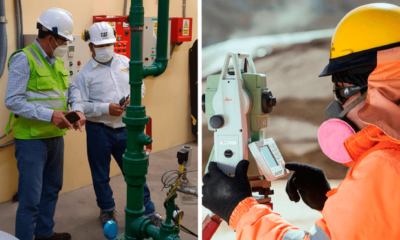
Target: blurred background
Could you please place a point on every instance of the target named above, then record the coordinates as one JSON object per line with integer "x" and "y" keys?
{"x": 289, "y": 41}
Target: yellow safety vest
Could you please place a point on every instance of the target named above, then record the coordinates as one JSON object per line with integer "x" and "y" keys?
{"x": 47, "y": 87}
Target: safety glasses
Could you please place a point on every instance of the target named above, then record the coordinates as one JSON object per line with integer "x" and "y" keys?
{"x": 341, "y": 94}
{"x": 64, "y": 40}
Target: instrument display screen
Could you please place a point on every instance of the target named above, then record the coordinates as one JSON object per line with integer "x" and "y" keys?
{"x": 266, "y": 151}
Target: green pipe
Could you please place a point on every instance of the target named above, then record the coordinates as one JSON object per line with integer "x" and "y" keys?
{"x": 137, "y": 226}
{"x": 170, "y": 206}
{"x": 161, "y": 61}
{"x": 144, "y": 227}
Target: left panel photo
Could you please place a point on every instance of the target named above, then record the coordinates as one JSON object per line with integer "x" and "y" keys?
{"x": 99, "y": 119}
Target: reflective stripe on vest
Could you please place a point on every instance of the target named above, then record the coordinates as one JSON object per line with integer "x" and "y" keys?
{"x": 54, "y": 104}
{"x": 45, "y": 94}
{"x": 48, "y": 99}
{"x": 316, "y": 233}
{"x": 294, "y": 235}
{"x": 39, "y": 63}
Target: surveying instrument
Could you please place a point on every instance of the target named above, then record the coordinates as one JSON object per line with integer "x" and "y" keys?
{"x": 237, "y": 103}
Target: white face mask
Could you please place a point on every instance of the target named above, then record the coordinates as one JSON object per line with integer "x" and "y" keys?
{"x": 60, "y": 50}
{"x": 104, "y": 54}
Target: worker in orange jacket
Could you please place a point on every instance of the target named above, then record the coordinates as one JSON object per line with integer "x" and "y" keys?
{"x": 362, "y": 131}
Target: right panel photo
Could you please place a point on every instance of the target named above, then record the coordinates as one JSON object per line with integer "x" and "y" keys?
{"x": 300, "y": 130}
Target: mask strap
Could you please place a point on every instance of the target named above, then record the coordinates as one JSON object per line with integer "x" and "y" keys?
{"x": 55, "y": 41}
{"x": 352, "y": 105}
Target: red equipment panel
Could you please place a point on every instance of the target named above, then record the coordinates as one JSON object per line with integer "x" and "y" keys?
{"x": 181, "y": 29}
{"x": 123, "y": 35}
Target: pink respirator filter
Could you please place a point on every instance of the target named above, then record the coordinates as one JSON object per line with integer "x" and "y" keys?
{"x": 331, "y": 137}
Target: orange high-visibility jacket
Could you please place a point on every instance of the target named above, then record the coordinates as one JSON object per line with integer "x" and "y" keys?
{"x": 366, "y": 205}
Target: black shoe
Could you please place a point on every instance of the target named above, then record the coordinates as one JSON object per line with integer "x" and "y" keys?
{"x": 106, "y": 216}
{"x": 156, "y": 219}
{"x": 57, "y": 236}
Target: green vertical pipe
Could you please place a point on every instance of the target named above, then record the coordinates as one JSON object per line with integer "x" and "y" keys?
{"x": 135, "y": 160}
{"x": 170, "y": 209}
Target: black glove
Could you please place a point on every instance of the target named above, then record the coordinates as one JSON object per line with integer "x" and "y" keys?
{"x": 310, "y": 182}
{"x": 221, "y": 193}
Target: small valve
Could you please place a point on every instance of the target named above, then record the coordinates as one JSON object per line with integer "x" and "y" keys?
{"x": 71, "y": 63}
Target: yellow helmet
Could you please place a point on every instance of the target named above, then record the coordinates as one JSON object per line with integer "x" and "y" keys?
{"x": 369, "y": 26}
{"x": 361, "y": 33}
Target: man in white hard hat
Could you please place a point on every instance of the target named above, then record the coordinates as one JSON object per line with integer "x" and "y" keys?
{"x": 38, "y": 93}
{"x": 103, "y": 82}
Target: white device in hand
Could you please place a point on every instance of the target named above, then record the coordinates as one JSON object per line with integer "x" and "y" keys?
{"x": 269, "y": 160}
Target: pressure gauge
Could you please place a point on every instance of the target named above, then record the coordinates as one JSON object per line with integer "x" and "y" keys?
{"x": 269, "y": 159}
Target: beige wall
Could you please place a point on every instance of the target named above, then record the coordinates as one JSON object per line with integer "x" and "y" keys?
{"x": 166, "y": 100}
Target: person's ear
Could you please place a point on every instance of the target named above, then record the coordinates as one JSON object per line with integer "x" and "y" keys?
{"x": 49, "y": 39}
{"x": 92, "y": 49}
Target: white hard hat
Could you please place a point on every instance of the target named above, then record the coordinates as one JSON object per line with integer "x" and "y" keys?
{"x": 60, "y": 19}
{"x": 101, "y": 33}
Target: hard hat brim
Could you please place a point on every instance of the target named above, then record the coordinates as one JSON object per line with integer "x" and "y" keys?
{"x": 69, "y": 37}
{"x": 102, "y": 42}
{"x": 354, "y": 60}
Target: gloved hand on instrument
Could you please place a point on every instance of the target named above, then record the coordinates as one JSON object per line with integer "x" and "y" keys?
{"x": 310, "y": 182}
{"x": 221, "y": 193}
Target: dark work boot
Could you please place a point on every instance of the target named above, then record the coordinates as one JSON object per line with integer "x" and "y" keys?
{"x": 57, "y": 236}
{"x": 106, "y": 216}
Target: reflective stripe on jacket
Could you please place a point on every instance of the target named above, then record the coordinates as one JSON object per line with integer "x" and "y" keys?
{"x": 47, "y": 87}
{"x": 364, "y": 206}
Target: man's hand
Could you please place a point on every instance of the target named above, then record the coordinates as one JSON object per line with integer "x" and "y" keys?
{"x": 310, "y": 182}
{"x": 115, "y": 109}
{"x": 221, "y": 193}
{"x": 79, "y": 124}
{"x": 58, "y": 119}
{"x": 126, "y": 103}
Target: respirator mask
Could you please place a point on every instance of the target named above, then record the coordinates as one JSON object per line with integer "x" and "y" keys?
{"x": 104, "y": 54}
{"x": 333, "y": 132}
{"x": 60, "y": 50}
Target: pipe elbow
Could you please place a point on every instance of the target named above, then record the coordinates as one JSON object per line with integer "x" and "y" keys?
{"x": 161, "y": 66}
{"x": 156, "y": 69}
